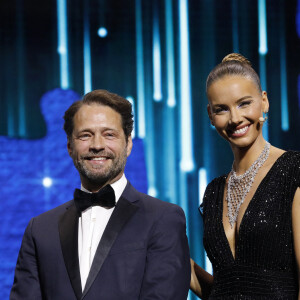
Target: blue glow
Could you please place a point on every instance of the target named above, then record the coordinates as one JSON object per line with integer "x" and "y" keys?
{"x": 140, "y": 71}
{"x": 187, "y": 161}
{"x": 171, "y": 102}
{"x": 87, "y": 56}
{"x": 283, "y": 77}
{"x": 262, "y": 25}
{"x": 62, "y": 48}
{"x": 157, "y": 94}
{"x": 47, "y": 182}
{"x": 131, "y": 100}
{"x": 102, "y": 32}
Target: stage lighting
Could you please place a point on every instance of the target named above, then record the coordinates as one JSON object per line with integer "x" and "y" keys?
{"x": 102, "y": 32}
{"x": 47, "y": 182}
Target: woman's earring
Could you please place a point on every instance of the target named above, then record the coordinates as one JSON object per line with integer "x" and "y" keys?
{"x": 263, "y": 118}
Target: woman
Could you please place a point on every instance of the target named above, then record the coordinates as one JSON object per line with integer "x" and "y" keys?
{"x": 252, "y": 215}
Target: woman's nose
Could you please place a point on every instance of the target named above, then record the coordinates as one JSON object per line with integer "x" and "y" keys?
{"x": 235, "y": 117}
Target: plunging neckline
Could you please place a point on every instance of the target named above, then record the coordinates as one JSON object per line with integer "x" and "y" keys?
{"x": 259, "y": 187}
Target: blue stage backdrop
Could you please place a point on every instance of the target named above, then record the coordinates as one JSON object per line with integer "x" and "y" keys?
{"x": 155, "y": 53}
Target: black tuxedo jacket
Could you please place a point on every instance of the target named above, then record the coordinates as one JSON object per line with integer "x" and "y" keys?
{"x": 143, "y": 254}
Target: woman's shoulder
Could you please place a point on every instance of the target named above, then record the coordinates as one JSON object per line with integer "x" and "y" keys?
{"x": 216, "y": 182}
{"x": 284, "y": 157}
{"x": 212, "y": 191}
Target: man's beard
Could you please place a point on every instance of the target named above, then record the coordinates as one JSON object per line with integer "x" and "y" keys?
{"x": 100, "y": 176}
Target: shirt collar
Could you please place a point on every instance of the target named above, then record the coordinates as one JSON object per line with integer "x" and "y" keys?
{"x": 118, "y": 187}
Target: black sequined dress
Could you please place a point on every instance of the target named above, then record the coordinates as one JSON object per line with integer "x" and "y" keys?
{"x": 264, "y": 266}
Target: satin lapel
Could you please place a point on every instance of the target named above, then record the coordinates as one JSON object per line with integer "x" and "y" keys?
{"x": 68, "y": 233}
{"x": 124, "y": 210}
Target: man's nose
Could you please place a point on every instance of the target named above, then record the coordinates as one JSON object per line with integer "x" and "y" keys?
{"x": 97, "y": 143}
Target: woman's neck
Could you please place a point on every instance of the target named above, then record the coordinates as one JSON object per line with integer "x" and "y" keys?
{"x": 244, "y": 157}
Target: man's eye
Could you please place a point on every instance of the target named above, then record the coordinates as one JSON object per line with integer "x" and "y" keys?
{"x": 109, "y": 134}
{"x": 84, "y": 136}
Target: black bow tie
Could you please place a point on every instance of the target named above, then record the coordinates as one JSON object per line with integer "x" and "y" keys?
{"x": 105, "y": 198}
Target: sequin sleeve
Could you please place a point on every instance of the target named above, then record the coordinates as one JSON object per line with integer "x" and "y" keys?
{"x": 209, "y": 195}
{"x": 297, "y": 168}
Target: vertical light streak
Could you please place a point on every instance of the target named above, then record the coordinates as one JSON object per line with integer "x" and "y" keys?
{"x": 149, "y": 140}
{"x": 63, "y": 42}
{"x": 263, "y": 50}
{"x": 157, "y": 94}
{"x": 140, "y": 71}
{"x": 235, "y": 26}
{"x": 298, "y": 32}
{"x": 187, "y": 161}
{"x": 87, "y": 71}
{"x": 202, "y": 183}
{"x": 171, "y": 102}
{"x": 262, "y": 27}
{"x": 10, "y": 120}
{"x": 283, "y": 77}
{"x": 20, "y": 48}
{"x": 169, "y": 149}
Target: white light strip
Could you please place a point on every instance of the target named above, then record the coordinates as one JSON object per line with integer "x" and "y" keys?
{"x": 157, "y": 94}
{"x": 285, "y": 124}
{"x": 202, "y": 183}
{"x": 187, "y": 162}
{"x": 262, "y": 24}
{"x": 87, "y": 55}
{"x": 140, "y": 71}
{"x": 171, "y": 102}
{"x": 63, "y": 42}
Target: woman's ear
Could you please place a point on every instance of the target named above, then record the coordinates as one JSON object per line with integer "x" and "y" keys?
{"x": 265, "y": 102}
{"x": 209, "y": 114}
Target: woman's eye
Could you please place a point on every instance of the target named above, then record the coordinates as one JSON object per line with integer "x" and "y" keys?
{"x": 219, "y": 110}
{"x": 244, "y": 103}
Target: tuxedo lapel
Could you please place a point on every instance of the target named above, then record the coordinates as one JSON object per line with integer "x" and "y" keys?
{"x": 123, "y": 211}
{"x": 68, "y": 233}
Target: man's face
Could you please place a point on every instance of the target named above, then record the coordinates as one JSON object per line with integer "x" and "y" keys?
{"x": 98, "y": 146}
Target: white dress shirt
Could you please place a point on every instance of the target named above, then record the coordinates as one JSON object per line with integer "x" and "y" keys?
{"x": 91, "y": 226}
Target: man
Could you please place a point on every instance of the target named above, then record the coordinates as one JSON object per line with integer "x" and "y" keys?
{"x": 127, "y": 246}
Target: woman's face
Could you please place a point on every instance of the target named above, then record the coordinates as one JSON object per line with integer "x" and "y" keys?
{"x": 235, "y": 105}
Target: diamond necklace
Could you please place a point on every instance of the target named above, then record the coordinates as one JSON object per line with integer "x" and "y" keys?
{"x": 239, "y": 186}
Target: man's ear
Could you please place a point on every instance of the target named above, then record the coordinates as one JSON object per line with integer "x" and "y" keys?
{"x": 209, "y": 114}
{"x": 69, "y": 146}
{"x": 129, "y": 145}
